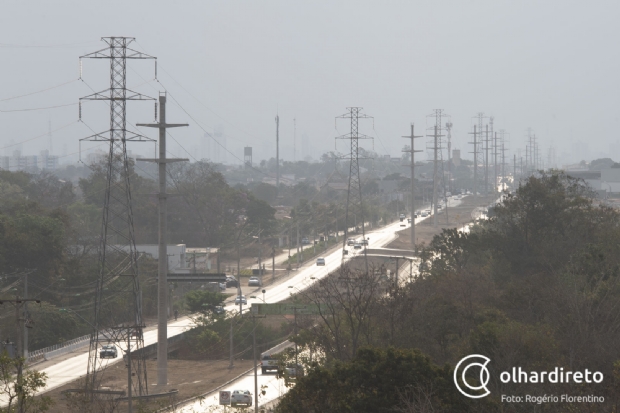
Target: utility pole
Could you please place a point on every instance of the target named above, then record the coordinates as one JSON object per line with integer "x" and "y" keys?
{"x": 24, "y": 353}
{"x": 486, "y": 161}
{"x": 162, "y": 262}
{"x": 254, "y": 317}
{"x": 294, "y": 140}
{"x": 277, "y": 155}
{"x": 260, "y": 267}
{"x": 475, "y": 152}
{"x": 273, "y": 263}
{"x": 514, "y": 173}
{"x": 19, "y": 303}
{"x": 438, "y": 157}
{"x": 412, "y": 166}
{"x": 495, "y": 170}
{"x": 435, "y": 178}
{"x": 449, "y": 128}
{"x": 490, "y": 136}
{"x": 302, "y": 248}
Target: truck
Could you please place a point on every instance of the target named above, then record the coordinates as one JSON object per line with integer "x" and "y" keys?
{"x": 268, "y": 363}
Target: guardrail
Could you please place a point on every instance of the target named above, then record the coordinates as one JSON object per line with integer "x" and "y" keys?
{"x": 58, "y": 349}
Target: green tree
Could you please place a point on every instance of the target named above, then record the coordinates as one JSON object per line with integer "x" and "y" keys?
{"x": 374, "y": 382}
{"x": 15, "y": 392}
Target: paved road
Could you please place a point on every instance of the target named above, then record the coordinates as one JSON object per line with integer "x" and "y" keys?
{"x": 72, "y": 368}
{"x": 273, "y": 387}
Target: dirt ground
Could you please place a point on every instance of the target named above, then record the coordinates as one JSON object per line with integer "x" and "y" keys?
{"x": 458, "y": 217}
{"x": 189, "y": 377}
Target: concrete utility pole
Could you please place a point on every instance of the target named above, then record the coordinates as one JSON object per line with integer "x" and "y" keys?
{"x": 254, "y": 317}
{"x": 475, "y": 152}
{"x": 26, "y": 317}
{"x": 260, "y": 267}
{"x": 486, "y": 161}
{"x": 495, "y": 170}
{"x": 19, "y": 303}
{"x": 449, "y": 128}
{"x": 302, "y": 248}
{"x": 277, "y": 155}
{"x": 412, "y": 166}
{"x": 435, "y": 178}
{"x": 273, "y": 264}
{"x": 162, "y": 268}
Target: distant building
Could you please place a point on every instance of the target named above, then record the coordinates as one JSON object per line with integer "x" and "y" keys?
{"x": 456, "y": 157}
{"x": 177, "y": 256}
{"x": 30, "y": 163}
{"x": 201, "y": 260}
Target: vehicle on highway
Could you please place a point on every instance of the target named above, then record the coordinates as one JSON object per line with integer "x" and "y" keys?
{"x": 241, "y": 299}
{"x": 215, "y": 286}
{"x": 402, "y": 216}
{"x": 364, "y": 242}
{"x": 409, "y": 220}
{"x": 350, "y": 241}
{"x": 231, "y": 281}
{"x": 219, "y": 310}
{"x": 268, "y": 363}
{"x": 320, "y": 261}
{"x": 423, "y": 214}
{"x": 291, "y": 373}
{"x": 305, "y": 241}
{"x": 241, "y": 397}
{"x": 357, "y": 246}
{"x": 254, "y": 282}
{"x": 108, "y": 352}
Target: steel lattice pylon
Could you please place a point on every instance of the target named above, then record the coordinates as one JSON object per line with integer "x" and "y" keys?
{"x": 355, "y": 204}
{"x": 118, "y": 258}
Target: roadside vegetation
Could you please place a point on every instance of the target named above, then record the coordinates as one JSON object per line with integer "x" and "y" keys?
{"x": 536, "y": 286}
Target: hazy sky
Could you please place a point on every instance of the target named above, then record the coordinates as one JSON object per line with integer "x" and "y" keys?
{"x": 549, "y": 65}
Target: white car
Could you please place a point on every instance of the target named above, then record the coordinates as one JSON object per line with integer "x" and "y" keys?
{"x": 320, "y": 261}
{"x": 241, "y": 397}
{"x": 255, "y": 281}
{"x": 241, "y": 299}
{"x": 357, "y": 246}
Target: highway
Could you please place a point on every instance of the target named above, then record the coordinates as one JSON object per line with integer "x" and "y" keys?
{"x": 70, "y": 369}
{"x": 273, "y": 387}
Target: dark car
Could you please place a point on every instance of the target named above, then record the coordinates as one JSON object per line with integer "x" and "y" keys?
{"x": 231, "y": 281}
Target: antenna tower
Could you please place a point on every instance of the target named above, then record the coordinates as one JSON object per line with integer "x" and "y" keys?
{"x": 118, "y": 258}
{"x": 355, "y": 205}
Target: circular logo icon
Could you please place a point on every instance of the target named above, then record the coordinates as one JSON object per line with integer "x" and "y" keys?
{"x": 475, "y": 363}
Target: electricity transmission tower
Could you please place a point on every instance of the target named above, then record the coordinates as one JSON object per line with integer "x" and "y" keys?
{"x": 437, "y": 158}
{"x": 355, "y": 204}
{"x": 118, "y": 258}
{"x": 412, "y": 166}
{"x": 478, "y": 150}
{"x": 449, "y": 130}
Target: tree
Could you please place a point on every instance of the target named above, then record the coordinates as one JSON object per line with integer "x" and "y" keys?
{"x": 373, "y": 381}
{"x": 202, "y": 301}
{"x": 14, "y": 393}
{"x": 346, "y": 302}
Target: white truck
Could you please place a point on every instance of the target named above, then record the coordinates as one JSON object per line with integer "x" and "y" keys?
{"x": 268, "y": 363}
{"x": 241, "y": 397}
